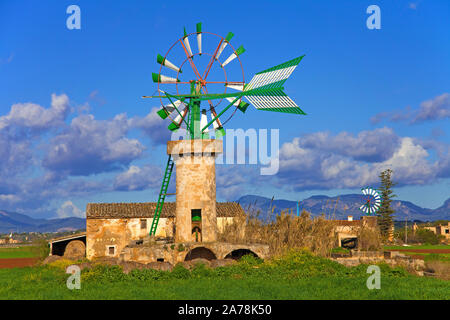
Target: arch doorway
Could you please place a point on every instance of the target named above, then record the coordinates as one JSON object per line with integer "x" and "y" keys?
{"x": 239, "y": 253}
{"x": 200, "y": 252}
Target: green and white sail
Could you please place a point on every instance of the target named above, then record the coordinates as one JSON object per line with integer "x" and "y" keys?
{"x": 242, "y": 105}
{"x": 265, "y": 90}
{"x": 223, "y": 45}
{"x": 177, "y": 121}
{"x": 187, "y": 45}
{"x": 168, "y": 109}
{"x": 234, "y": 55}
{"x": 199, "y": 37}
{"x": 162, "y": 78}
{"x": 166, "y": 63}
{"x": 238, "y": 87}
{"x": 204, "y": 121}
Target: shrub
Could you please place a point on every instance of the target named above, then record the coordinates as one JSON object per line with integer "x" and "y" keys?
{"x": 103, "y": 274}
{"x": 180, "y": 272}
{"x": 40, "y": 249}
{"x": 422, "y": 235}
{"x": 61, "y": 264}
{"x": 369, "y": 238}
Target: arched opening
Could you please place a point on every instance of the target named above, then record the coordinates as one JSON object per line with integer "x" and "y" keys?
{"x": 59, "y": 246}
{"x": 196, "y": 234}
{"x": 239, "y": 253}
{"x": 349, "y": 243}
{"x": 200, "y": 252}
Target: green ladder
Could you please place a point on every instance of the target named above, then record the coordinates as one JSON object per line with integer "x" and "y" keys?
{"x": 162, "y": 195}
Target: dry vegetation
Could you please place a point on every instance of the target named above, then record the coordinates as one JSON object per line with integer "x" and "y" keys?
{"x": 286, "y": 231}
{"x": 441, "y": 269}
{"x": 369, "y": 239}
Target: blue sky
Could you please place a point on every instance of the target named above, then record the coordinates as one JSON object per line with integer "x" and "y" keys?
{"x": 74, "y": 128}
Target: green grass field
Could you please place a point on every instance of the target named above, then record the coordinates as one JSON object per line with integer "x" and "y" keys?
{"x": 426, "y": 256}
{"x": 295, "y": 276}
{"x": 19, "y": 252}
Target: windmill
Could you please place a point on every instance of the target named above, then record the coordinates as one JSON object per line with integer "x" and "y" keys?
{"x": 202, "y": 89}
{"x": 373, "y": 201}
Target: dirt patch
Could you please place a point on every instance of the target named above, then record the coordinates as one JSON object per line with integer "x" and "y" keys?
{"x": 17, "y": 262}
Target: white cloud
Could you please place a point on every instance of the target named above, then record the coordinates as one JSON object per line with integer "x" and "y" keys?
{"x": 136, "y": 178}
{"x": 68, "y": 209}
{"x": 92, "y": 146}
{"x": 437, "y": 108}
{"x": 308, "y": 165}
{"x": 33, "y": 116}
{"x": 153, "y": 126}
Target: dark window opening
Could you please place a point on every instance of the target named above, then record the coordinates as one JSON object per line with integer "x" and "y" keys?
{"x": 111, "y": 251}
{"x": 160, "y": 260}
{"x": 349, "y": 243}
{"x": 143, "y": 223}
{"x": 196, "y": 214}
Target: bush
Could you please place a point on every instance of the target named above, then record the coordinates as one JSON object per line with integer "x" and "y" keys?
{"x": 421, "y": 235}
{"x": 103, "y": 274}
{"x": 40, "y": 249}
{"x": 180, "y": 272}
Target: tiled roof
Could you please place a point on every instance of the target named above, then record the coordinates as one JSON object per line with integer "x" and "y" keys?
{"x": 147, "y": 210}
{"x": 347, "y": 222}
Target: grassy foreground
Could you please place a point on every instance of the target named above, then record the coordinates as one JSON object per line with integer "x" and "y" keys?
{"x": 298, "y": 275}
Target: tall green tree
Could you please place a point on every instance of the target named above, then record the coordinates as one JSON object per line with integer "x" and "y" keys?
{"x": 386, "y": 213}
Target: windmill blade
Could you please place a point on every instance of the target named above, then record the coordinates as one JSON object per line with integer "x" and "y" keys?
{"x": 199, "y": 37}
{"x": 241, "y": 105}
{"x": 234, "y": 55}
{"x": 178, "y": 120}
{"x": 168, "y": 109}
{"x": 187, "y": 44}
{"x": 224, "y": 44}
{"x": 162, "y": 78}
{"x": 219, "y": 130}
{"x": 163, "y": 61}
{"x": 238, "y": 87}
{"x": 204, "y": 121}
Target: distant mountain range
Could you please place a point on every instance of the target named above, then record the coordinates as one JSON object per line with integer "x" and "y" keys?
{"x": 346, "y": 205}
{"x": 18, "y": 223}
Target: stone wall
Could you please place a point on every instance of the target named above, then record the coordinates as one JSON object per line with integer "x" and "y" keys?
{"x": 177, "y": 252}
{"x": 101, "y": 234}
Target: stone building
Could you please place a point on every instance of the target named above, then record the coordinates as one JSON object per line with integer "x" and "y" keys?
{"x": 347, "y": 230}
{"x": 440, "y": 230}
{"x": 110, "y": 227}
{"x": 186, "y": 230}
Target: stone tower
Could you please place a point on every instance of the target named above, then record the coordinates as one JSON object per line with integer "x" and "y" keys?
{"x": 195, "y": 215}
